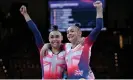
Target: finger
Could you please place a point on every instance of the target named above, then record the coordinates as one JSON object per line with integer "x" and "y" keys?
{"x": 97, "y": 4}
{"x": 24, "y": 8}
{"x": 21, "y": 8}
{"x": 98, "y": 1}
{"x": 94, "y": 4}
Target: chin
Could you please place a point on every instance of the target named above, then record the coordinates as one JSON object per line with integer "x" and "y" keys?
{"x": 55, "y": 46}
{"x": 71, "y": 41}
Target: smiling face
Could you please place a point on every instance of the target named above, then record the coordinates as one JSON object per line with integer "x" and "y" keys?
{"x": 55, "y": 39}
{"x": 73, "y": 33}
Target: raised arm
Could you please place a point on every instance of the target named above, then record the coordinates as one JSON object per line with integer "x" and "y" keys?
{"x": 32, "y": 26}
{"x": 99, "y": 21}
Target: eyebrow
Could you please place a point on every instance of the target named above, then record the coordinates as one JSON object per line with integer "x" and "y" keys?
{"x": 55, "y": 35}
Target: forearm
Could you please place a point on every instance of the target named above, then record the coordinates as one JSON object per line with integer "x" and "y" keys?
{"x": 32, "y": 26}
{"x": 27, "y": 17}
{"x": 99, "y": 13}
{"x": 99, "y": 22}
{"x": 94, "y": 33}
{"x": 36, "y": 33}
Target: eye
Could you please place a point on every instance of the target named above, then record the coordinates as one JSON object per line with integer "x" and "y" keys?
{"x": 71, "y": 30}
{"x": 51, "y": 36}
{"x": 57, "y": 36}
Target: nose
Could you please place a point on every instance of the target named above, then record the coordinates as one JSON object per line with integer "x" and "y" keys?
{"x": 54, "y": 39}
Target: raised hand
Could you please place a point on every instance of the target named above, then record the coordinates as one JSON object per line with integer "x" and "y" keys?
{"x": 23, "y": 10}
{"x": 97, "y": 4}
{"x": 99, "y": 9}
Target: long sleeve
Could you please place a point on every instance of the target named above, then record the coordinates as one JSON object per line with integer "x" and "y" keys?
{"x": 94, "y": 33}
{"x": 38, "y": 38}
{"x": 85, "y": 57}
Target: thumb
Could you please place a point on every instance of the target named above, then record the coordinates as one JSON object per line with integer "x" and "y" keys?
{"x": 94, "y": 4}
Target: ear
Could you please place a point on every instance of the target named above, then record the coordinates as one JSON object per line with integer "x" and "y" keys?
{"x": 80, "y": 33}
{"x": 49, "y": 38}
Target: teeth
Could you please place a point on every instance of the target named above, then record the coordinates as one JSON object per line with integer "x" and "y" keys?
{"x": 55, "y": 43}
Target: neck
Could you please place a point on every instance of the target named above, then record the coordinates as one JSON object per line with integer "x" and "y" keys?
{"x": 55, "y": 50}
{"x": 75, "y": 43}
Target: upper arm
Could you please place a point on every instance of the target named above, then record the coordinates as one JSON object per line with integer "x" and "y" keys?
{"x": 38, "y": 38}
{"x": 94, "y": 33}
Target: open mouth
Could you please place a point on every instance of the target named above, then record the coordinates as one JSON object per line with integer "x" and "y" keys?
{"x": 55, "y": 43}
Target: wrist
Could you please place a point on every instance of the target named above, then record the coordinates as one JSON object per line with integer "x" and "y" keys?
{"x": 27, "y": 17}
{"x": 99, "y": 15}
{"x": 99, "y": 9}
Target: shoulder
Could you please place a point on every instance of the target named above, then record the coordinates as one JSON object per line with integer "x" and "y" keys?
{"x": 87, "y": 40}
{"x": 68, "y": 44}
